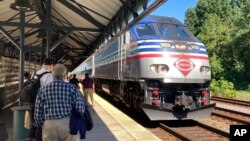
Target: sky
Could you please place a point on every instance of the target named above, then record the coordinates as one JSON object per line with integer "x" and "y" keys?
{"x": 175, "y": 8}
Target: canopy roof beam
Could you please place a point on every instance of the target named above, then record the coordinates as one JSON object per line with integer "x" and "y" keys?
{"x": 9, "y": 37}
{"x": 59, "y": 41}
{"x": 82, "y": 14}
{"x": 53, "y": 26}
{"x": 121, "y": 18}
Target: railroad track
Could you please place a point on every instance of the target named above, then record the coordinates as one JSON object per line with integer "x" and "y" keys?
{"x": 239, "y": 117}
{"x": 194, "y": 131}
{"x": 231, "y": 101}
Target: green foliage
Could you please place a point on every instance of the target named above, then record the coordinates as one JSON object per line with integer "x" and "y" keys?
{"x": 192, "y": 24}
{"x": 236, "y": 61}
{"x": 244, "y": 19}
{"x": 217, "y": 68}
{"x": 198, "y": 15}
{"x": 224, "y": 27}
{"x": 214, "y": 33}
{"x": 224, "y": 88}
{"x": 243, "y": 95}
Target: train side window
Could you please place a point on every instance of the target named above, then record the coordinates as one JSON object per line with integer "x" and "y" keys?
{"x": 145, "y": 31}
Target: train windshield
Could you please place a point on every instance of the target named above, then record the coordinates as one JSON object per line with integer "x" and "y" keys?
{"x": 164, "y": 31}
{"x": 170, "y": 31}
{"x": 146, "y": 31}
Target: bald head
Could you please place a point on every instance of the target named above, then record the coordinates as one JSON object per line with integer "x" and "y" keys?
{"x": 59, "y": 71}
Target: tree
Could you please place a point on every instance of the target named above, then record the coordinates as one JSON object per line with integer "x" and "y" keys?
{"x": 195, "y": 17}
{"x": 224, "y": 27}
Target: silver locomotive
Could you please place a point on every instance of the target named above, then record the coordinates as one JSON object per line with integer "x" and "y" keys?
{"x": 157, "y": 66}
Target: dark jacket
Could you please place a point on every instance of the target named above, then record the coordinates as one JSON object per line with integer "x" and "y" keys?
{"x": 76, "y": 124}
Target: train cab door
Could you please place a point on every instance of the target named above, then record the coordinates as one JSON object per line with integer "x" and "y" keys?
{"x": 124, "y": 67}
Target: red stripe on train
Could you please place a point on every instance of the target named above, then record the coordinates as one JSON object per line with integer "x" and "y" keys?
{"x": 140, "y": 56}
{"x": 171, "y": 56}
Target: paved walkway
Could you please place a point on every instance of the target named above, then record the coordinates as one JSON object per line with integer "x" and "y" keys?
{"x": 110, "y": 124}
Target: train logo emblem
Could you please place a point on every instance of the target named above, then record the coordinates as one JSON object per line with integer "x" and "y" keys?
{"x": 184, "y": 66}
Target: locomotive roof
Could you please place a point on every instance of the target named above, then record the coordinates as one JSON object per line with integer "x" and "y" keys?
{"x": 160, "y": 19}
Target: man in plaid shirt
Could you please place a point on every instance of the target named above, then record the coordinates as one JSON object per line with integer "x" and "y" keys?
{"x": 53, "y": 106}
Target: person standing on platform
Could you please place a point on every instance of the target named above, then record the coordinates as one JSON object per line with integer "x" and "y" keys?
{"x": 88, "y": 89}
{"x": 46, "y": 78}
{"x": 54, "y": 104}
{"x": 47, "y": 66}
{"x": 74, "y": 81}
{"x": 24, "y": 97}
{"x": 26, "y": 77}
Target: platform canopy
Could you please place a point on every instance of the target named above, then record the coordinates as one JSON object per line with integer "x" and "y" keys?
{"x": 67, "y": 30}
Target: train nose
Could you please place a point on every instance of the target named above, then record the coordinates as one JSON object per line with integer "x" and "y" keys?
{"x": 166, "y": 114}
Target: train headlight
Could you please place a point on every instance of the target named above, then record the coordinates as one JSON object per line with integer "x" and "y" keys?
{"x": 165, "y": 45}
{"x": 153, "y": 68}
{"x": 194, "y": 47}
{"x": 159, "y": 68}
{"x": 181, "y": 47}
{"x": 204, "y": 69}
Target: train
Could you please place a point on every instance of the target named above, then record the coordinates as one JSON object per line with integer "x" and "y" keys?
{"x": 156, "y": 66}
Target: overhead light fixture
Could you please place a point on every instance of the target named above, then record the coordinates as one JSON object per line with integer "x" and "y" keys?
{"x": 22, "y": 5}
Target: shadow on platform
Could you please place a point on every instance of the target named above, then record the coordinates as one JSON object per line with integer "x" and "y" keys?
{"x": 99, "y": 131}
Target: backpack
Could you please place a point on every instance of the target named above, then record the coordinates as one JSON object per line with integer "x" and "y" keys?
{"x": 30, "y": 89}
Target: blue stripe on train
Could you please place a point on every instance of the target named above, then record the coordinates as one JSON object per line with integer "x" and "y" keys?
{"x": 159, "y": 43}
{"x": 170, "y": 50}
{"x": 148, "y": 43}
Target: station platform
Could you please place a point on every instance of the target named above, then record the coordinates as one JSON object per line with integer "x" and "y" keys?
{"x": 110, "y": 124}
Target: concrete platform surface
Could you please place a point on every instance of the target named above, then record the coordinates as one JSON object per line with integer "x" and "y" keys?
{"x": 110, "y": 124}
